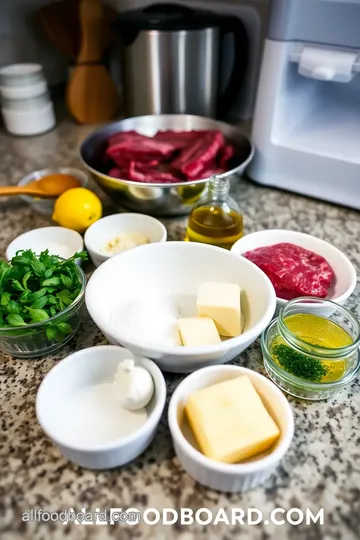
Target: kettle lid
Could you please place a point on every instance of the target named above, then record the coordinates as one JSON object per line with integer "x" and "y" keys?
{"x": 166, "y": 17}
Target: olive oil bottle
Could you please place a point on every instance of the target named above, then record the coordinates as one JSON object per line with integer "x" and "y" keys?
{"x": 217, "y": 220}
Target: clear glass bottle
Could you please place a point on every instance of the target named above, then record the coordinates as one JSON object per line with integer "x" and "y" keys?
{"x": 217, "y": 220}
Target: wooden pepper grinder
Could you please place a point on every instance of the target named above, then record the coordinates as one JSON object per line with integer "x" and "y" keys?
{"x": 92, "y": 96}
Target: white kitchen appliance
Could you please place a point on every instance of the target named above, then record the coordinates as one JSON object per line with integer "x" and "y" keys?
{"x": 307, "y": 116}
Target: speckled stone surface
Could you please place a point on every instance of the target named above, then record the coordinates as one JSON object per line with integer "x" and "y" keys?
{"x": 321, "y": 469}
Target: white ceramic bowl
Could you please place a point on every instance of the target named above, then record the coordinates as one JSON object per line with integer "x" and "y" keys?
{"x": 24, "y": 92}
{"x": 16, "y": 75}
{"x": 174, "y": 271}
{"x": 85, "y": 368}
{"x": 223, "y": 476}
{"x": 46, "y": 206}
{"x": 345, "y": 274}
{"x": 58, "y": 240}
{"x": 108, "y": 228}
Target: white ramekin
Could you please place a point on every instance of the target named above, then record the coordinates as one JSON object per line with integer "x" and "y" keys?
{"x": 222, "y": 476}
{"x": 106, "y": 229}
{"x": 24, "y": 92}
{"x": 15, "y": 75}
{"x": 32, "y": 122}
{"x": 59, "y": 241}
{"x": 92, "y": 366}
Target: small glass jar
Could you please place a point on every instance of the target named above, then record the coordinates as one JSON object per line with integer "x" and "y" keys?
{"x": 312, "y": 370}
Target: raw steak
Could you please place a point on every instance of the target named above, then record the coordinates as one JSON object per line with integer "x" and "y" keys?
{"x": 139, "y": 147}
{"x": 196, "y": 157}
{"x": 168, "y": 157}
{"x": 293, "y": 270}
{"x": 180, "y": 139}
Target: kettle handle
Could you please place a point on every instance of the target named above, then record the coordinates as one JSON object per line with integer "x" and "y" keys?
{"x": 233, "y": 25}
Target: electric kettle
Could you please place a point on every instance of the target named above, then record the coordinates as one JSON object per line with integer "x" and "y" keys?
{"x": 171, "y": 57}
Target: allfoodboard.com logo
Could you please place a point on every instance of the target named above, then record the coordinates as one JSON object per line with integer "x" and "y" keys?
{"x": 183, "y": 516}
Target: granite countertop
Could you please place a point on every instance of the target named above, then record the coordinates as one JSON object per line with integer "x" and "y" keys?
{"x": 321, "y": 469}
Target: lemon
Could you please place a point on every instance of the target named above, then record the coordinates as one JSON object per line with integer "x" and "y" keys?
{"x": 77, "y": 209}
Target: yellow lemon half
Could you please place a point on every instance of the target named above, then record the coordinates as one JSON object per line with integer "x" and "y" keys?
{"x": 77, "y": 209}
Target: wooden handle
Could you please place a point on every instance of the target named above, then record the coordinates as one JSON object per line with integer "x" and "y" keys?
{"x": 10, "y": 191}
{"x": 91, "y": 14}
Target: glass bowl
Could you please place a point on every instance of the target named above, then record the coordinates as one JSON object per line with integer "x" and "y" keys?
{"x": 45, "y": 337}
{"x": 46, "y": 206}
{"x": 346, "y": 358}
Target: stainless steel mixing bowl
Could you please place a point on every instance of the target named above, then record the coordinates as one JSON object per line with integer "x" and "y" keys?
{"x": 159, "y": 199}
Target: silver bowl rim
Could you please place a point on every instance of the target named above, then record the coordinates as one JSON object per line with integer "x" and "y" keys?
{"x": 188, "y": 183}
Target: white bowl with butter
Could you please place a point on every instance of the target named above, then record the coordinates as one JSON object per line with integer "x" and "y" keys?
{"x": 79, "y": 405}
{"x": 132, "y": 298}
{"x": 229, "y": 477}
{"x": 114, "y": 234}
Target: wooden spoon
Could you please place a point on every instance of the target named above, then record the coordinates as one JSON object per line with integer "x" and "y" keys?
{"x": 49, "y": 187}
{"x": 91, "y": 95}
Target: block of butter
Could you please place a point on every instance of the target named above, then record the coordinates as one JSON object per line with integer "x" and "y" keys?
{"x": 230, "y": 422}
{"x": 221, "y": 302}
{"x": 197, "y": 331}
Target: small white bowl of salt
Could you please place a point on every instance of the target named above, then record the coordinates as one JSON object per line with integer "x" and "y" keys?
{"x": 58, "y": 240}
{"x": 101, "y": 406}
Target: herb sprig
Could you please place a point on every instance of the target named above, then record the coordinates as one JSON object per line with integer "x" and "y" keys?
{"x": 35, "y": 288}
{"x": 299, "y": 364}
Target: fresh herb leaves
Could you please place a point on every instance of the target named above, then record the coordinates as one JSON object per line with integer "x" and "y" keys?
{"x": 298, "y": 364}
{"x": 15, "y": 320}
{"x": 35, "y": 288}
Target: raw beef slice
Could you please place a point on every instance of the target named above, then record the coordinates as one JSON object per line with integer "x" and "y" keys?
{"x": 293, "y": 270}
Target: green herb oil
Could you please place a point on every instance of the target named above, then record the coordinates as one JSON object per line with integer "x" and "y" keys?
{"x": 299, "y": 364}
{"x": 314, "y": 330}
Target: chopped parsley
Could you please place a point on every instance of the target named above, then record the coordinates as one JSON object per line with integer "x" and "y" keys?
{"x": 300, "y": 365}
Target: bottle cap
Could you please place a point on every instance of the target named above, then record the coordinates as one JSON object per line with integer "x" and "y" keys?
{"x": 219, "y": 185}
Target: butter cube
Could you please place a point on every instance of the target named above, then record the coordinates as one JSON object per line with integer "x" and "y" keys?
{"x": 197, "y": 331}
{"x": 221, "y": 302}
{"x": 230, "y": 422}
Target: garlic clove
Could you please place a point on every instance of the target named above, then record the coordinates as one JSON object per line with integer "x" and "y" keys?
{"x": 135, "y": 384}
{"x": 127, "y": 365}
